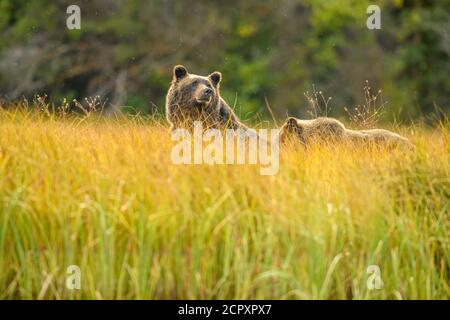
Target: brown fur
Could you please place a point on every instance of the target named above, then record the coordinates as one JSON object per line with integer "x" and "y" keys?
{"x": 196, "y": 98}
{"x": 324, "y": 130}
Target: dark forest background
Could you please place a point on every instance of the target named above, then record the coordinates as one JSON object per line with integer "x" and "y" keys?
{"x": 269, "y": 52}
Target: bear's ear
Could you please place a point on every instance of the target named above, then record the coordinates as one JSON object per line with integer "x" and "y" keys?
{"x": 179, "y": 72}
{"x": 215, "y": 78}
{"x": 291, "y": 124}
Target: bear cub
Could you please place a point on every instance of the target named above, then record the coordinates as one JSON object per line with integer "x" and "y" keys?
{"x": 197, "y": 98}
{"x": 324, "y": 130}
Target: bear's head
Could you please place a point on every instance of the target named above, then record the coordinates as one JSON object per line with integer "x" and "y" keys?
{"x": 292, "y": 130}
{"x": 193, "y": 91}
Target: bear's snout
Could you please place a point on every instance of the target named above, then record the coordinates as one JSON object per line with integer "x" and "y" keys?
{"x": 205, "y": 95}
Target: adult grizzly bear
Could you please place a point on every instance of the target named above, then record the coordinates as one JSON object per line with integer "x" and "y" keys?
{"x": 196, "y": 98}
{"x": 324, "y": 130}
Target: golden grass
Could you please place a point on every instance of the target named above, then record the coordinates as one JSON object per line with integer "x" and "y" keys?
{"x": 104, "y": 195}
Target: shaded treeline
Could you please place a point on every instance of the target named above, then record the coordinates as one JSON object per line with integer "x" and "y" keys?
{"x": 270, "y": 52}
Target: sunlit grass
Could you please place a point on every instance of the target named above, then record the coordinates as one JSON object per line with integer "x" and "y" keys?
{"x": 104, "y": 195}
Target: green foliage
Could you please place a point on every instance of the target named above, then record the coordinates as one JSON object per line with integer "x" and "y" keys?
{"x": 272, "y": 49}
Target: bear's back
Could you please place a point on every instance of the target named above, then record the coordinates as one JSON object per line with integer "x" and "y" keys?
{"x": 322, "y": 128}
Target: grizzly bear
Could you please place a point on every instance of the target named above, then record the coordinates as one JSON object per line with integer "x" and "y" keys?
{"x": 324, "y": 130}
{"x": 196, "y": 98}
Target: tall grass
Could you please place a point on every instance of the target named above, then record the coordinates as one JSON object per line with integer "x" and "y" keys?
{"x": 104, "y": 195}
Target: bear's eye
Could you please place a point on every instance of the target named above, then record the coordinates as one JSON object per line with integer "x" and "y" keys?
{"x": 194, "y": 83}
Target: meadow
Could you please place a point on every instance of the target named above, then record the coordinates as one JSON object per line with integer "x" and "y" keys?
{"x": 103, "y": 194}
